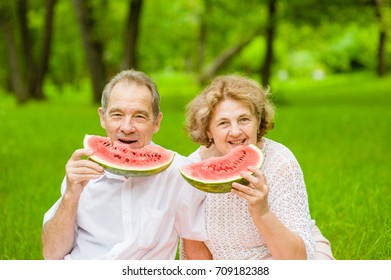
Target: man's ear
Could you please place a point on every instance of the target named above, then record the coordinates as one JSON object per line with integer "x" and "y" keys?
{"x": 102, "y": 118}
{"x": 157, "y": 122}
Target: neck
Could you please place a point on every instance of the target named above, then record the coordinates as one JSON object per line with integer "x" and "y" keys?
{"x": 209, "y": 152}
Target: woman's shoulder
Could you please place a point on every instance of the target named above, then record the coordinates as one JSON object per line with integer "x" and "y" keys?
{"x": 278, "y": 149}
{"x": 277, "y": 146}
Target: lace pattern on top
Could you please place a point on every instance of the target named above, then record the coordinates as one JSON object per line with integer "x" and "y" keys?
{"x": 230, "y": 229}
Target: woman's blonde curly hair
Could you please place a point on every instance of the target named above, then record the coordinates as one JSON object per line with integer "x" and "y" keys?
{"x": 245, "y": 90}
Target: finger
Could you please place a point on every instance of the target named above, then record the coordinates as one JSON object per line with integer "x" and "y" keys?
{"x": 84, "y": 167}
{"x": 80, "y": 178}
{"x": 258, "y": 173}
{"x": 80, "y": 153}
{"x": 247, "y": 193}
{"x": 242, "y": 189}
{"x": 252, "y": 179}
{"x": 261, "y": 181}
{"x": 82, "y": 173}
{"x": 86, "y": 170}
{"x": 91, "y": 164}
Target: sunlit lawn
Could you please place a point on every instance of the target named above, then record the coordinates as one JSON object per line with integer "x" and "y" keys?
{"x": 337, "y": 128}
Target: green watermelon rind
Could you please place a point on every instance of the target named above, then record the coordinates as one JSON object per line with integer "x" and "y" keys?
{"x": 132, "y": 172}
{"x": 129, "y": 172}
{"x": 222, "y": 186}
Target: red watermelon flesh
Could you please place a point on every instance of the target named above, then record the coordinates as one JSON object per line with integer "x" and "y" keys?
{"x": 120, "y": 159}
{"x": 217, "y": 174}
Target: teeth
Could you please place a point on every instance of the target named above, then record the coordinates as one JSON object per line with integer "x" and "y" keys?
{"x": 126, "y": 141}
{"x": 237, "y": 142}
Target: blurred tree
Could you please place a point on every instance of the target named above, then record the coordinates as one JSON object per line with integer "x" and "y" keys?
{"x": 93, "y": 45}
{"x": 225, "y": 56}
{"x": 95, "y": 40}
{"x": 38, "y": 74}
{"x": 131, "y": 35}
{"x": 27, "y": 72}
{"x": 221, "y": 38}
{"x": 18, "y": 81}
{"x": 383, "y": 14}
{"x": 270, "y": 37}
{"x": 201, "y": 37}
{"x": 344, "y": 13}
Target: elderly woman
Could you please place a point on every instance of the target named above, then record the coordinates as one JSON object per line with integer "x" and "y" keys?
{"x": 269, "y": 218}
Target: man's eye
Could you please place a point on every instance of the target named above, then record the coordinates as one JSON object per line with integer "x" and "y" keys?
{"x": 140, "y": 118}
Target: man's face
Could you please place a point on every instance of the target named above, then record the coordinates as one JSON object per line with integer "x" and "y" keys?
{"x": 129, "y": 115}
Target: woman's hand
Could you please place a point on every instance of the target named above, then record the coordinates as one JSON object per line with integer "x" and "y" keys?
{"x": 256, "y": 192}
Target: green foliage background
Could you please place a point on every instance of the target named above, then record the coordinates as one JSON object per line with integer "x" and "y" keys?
{"x": 337, "y": 36}
{"x": 333, "y": 113}
{"x": 336, "y": 127}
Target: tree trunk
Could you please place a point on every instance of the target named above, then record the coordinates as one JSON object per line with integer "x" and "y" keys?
{"x": 221, "y": 60}
{"x": 201, "y": 43}
{"x": 270, "y": 33}
{"x": 37, "y": 79}
{"x": 93, "y": 46}
{"x": 381, "y": 50}
{"x": 131, "y": 35}
{"x": 27, "y": 63}
{"x": 18, "y": 81}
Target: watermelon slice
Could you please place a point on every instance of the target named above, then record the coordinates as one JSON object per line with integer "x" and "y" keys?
{"x": 216, "y": 174}
{"x": 119, "y": 159}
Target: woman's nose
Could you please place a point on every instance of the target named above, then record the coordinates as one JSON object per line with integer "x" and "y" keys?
{"x": 235, "y": 130}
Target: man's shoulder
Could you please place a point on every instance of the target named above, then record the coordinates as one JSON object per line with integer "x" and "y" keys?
{"x": 181, "y": 160}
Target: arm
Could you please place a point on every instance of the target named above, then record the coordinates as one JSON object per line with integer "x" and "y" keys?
{"x": 196, "y": 250}
{"x": 282, "y": 242}
{"x": 58, "y": 233}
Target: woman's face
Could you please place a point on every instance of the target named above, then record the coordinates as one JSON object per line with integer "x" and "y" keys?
{"x": 231, "y": 125}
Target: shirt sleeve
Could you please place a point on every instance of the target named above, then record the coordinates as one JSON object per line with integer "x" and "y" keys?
{"x": 190, "y": 211}
{"x": 289, "y": 201}
{"x": 50, "y": 213}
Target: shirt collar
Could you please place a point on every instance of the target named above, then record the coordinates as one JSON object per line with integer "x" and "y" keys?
{"x": 110, "y": 175}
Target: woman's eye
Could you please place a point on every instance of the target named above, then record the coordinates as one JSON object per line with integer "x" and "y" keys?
{"x": 243, "y": 120}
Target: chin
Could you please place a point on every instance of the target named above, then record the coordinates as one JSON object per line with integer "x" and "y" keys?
{"x": 136, "y": 146}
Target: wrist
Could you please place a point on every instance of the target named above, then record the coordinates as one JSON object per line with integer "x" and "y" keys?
{"x": 71, "y": 197}
{"x": 261, "y": 216}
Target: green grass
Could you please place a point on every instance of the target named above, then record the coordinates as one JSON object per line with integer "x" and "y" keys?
{"x": 337, "y": 128}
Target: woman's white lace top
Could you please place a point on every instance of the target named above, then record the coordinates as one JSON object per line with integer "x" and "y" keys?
{"x": 230, "y": 229}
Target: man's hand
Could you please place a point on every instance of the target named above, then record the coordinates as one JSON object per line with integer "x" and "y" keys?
{"x": 79, "y": 171}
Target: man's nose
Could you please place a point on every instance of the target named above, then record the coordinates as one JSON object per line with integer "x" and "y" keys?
{"x": 127, "y": 125}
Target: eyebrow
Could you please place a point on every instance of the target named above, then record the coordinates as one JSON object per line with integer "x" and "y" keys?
{"x": 117, "y": 109}
{"x": 240, "y": 116}
{"x": 114, "y": 109}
